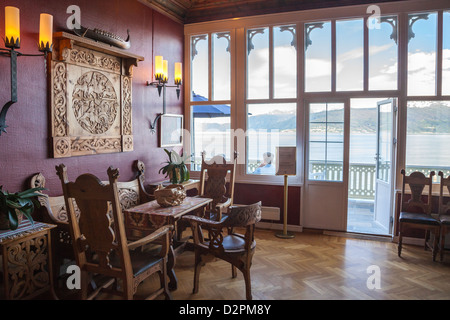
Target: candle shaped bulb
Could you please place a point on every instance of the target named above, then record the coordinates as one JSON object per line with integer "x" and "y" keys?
{"x": 46, "y": 32}
{"x": 165, "y": 71}
{"x": 178, "y": 73}
{"x": 12, "y": 27}
{"x": 159, "y": 67}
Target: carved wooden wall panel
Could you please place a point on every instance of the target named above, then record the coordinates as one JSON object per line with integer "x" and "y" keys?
{"x": 91, "y": 104}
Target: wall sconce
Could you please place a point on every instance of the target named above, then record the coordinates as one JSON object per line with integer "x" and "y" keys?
{"x": 162, "y": 77}
{"x": 12, "y": 42}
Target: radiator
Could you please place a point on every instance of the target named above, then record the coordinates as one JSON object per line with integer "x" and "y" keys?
{"x": 268, "y": 213}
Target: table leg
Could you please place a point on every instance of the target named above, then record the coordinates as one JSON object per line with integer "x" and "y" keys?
{"x": 173, "y": 282}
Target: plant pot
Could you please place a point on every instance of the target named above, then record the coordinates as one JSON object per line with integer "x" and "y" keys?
{"x": 4, "y": 220}
{"x": 177, "y": 179}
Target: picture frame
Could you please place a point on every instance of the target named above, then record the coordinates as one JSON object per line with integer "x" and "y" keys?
{"x": 171, "y": 130}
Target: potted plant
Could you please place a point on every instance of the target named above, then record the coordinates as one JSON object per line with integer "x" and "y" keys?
{"x": 176, "y": 168}
{"x": 13, "y": 206}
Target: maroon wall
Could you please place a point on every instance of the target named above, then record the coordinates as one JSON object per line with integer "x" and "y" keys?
{"x": 24, "y": 149}
{"x": 270, "y": 196}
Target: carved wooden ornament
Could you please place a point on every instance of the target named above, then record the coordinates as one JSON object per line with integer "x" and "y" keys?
{"x": 90, "y": 97}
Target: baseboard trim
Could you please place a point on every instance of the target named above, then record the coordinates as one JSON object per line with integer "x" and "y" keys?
{"x": 278, "y": 226}
{"x": 363, "y": 236}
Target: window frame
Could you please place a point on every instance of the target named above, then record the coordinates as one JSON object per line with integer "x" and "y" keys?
{"x": 238, "y": 28}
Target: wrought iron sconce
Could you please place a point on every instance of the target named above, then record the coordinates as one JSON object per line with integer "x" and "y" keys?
{"x": 12, "y": 42}
{"x": 162, "y": 77}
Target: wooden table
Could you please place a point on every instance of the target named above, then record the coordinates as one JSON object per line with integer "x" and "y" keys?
{"x": 188, "y": 185}
{"x": 147, "y": 217}
{"x": 27, "y": 260}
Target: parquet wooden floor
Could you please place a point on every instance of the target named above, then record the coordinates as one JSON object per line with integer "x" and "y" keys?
{"x": 315, "y": 266}
{"x": 320, "y": 267}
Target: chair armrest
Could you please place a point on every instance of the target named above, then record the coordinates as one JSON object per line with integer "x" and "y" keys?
{"x": 145, "y": 196}
{"x": 151, "y": 237}
{"x": 202, "y": 221}
{"x": 223, "y": 205}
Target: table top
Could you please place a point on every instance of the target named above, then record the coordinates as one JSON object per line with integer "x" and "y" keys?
{"x": 25, "y": 228}
{"x": 153, "y": 208}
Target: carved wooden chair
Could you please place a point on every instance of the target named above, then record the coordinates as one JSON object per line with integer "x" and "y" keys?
{"x": 100, "y": 230}
{"x": 234, "y": 248}
{"x": 444, "y": 212}
{"x": 415, "y": 213}
{"x": 53, "y": 210}
{"x": 213, "y": 184}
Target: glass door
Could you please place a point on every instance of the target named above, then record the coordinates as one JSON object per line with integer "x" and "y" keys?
{"x": 386, "y": 140}
{"x": 326, "y": 166}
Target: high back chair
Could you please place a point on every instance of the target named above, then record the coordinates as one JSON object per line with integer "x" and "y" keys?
{"x": 416, "y": 213}
{"x": 99, "y": 241}
{"x": 213, "y": 184}
{"x": 53, "y": 210}
{"x": 237, "y": 249}
{"x": 444, "y": 211}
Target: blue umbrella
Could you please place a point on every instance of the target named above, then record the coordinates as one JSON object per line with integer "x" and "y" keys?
{"x": 209, "y": 111}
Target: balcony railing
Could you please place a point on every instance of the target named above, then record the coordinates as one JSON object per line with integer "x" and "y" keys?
{"x": 362, "y": 176}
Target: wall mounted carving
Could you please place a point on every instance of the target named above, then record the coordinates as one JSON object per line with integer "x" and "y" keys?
{"x": 91, "y": 90}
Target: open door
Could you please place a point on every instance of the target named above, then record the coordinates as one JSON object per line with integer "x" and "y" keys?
{"x": 385, "y": 160}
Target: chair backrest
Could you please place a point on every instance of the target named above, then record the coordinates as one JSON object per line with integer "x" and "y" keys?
{"x": 242, "y": 216}
{"x": 417, "y": 182}
{"x": 96, "y": 231}
{"x": 444, "y": 208}
{"x": 213, "y": 179}
{"x": 131, "y": 193}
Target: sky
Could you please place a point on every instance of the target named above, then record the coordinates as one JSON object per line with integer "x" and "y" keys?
{"x": 382, "y": 60}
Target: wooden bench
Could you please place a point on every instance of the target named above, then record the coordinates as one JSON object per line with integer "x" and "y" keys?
{"x": 53, "y": 210}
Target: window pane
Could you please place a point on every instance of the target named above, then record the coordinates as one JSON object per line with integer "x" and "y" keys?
{"x": 285, "y": 62}
{"x": 258, "y": 63}
{"x": 326, "y": 141}
{"x": 269, "y": 126}
{"x": 199, "y": 66}
{"x": 221, "y": 66}
{"x": 210, "y": 130}
{"x": 446, "y": 55}
{"x": 318, "y": 56}
{"x": 383, "y": 51}
{"x": 428, "y": 134}
{"x": 349, "y": 55}
{"x": 422, "y": 54}
{"x": 385, "y": 142}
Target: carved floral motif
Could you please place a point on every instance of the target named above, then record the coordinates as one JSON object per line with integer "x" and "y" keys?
{"x": 60, "y": 100}
{"x": 27, "y": 266}
{"x": 91, "y": 99}
{"x": 94, "y": 102}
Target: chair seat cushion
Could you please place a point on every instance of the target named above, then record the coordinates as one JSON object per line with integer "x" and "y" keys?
{"x": 140, "y": 261}
{"x": 234, "y": 242}
{"x": 445, "y": 219}
{"x": 418, "y": 218}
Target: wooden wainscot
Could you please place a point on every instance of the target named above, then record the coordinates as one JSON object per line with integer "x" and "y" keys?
{"x": 90, "y": 97}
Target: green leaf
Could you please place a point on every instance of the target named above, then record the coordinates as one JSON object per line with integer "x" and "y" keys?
{"x": 13, "y": 221}
{"x": 169, "y": 154}
{"x": 13, "y": 204}
{"x": 27, "y": 213}
{"x": 32, "y": 190}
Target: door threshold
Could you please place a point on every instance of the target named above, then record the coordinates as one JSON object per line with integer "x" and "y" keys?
{"x": 363, "y": 236}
